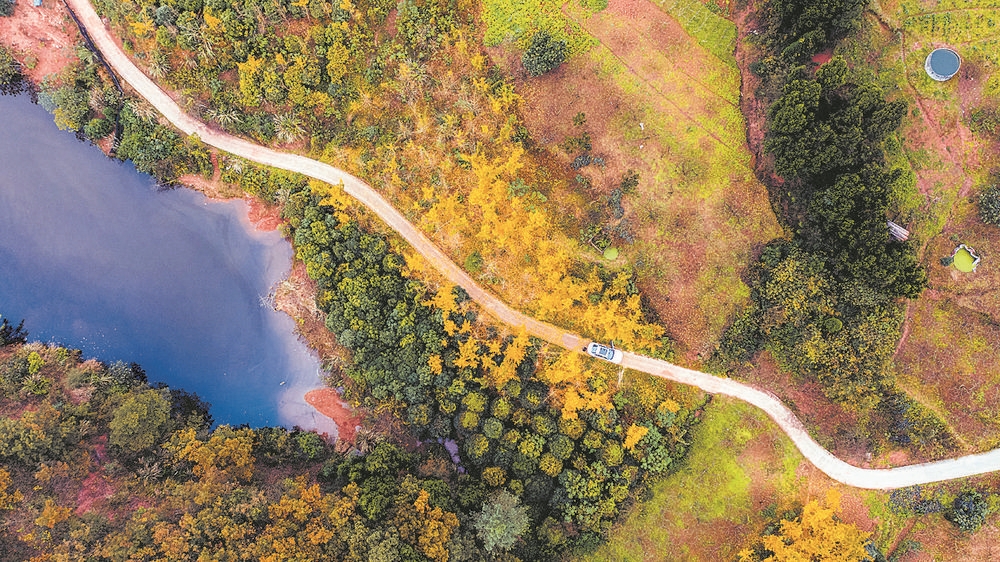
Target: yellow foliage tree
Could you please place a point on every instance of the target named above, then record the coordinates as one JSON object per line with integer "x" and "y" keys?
{"x": 815, "y": 536}
{"x": 8, "y": 500}
{"x": 52, "y": 514}
{"x": 227, "y": 455}
{"x": 635, "y": 434}
{"x": 569, "y": 380}
{"x": 426, "y": 528}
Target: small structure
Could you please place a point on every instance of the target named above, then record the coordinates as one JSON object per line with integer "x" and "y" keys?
{"x": 898, "y": 232}
{"x": 942, "y": 64}
{"x": 965, "y": 259}
{"x": 37, "y": 3}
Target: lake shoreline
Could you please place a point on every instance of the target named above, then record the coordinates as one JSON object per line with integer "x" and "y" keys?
{"x": 56, "y": 35}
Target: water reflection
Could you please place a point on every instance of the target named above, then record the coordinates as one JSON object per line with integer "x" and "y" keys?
{"x": 94, "y": 256}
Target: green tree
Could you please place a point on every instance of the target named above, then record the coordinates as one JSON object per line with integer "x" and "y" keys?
{"x": 989, "y": 205}
{"x": 6, "y": 8}
{"x": 9, "y": 67}
{"x": 968, "y": 511}
{"x": 801, "y": 28}
{"x": 141, "y": 421}
{"x": 10, "y": 335}
{"x": 502, "y": 521}
{"x": 544, "y": 54}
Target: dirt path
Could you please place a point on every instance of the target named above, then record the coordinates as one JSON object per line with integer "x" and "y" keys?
{"x": 786, "y": 420}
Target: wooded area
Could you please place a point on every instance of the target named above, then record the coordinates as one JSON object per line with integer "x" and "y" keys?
{"x": 828, "y": 300}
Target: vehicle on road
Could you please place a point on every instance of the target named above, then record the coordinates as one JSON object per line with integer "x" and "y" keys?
{"x": 602, "y": 351}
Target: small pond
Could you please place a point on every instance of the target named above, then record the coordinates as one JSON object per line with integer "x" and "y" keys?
{"x": 965, "y": 260}
{"x": 94, "y": 256}
{"x": 942, "y": 64}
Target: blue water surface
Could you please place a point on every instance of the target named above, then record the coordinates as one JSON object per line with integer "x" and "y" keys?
{"x": 944, "y": 62}
{"x": 94, "y": 256}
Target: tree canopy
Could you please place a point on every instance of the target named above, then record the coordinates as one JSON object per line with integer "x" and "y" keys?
{"x": 544, "y": 53}
{"x": 816, "y": 534}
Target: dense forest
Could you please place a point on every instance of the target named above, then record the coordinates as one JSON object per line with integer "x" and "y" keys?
{"x": 827, "y": 300}
{"x": 545, "y": 462}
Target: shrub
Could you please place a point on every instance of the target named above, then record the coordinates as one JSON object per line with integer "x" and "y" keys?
{"x": 493, "y": 428}
{"x": 98, "y": 128}
{"x": 9, "y": 68}
{"x": 561, "y": 446}
{"x": 550, "y": 465}
{"x": 968, "y": 511}
{"x": 495, "y": 476}
{"x": 543, "y": 54}
{"x": 989, "y": 206}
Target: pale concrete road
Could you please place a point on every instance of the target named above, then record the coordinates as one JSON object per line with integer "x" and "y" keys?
{"x": 811, "y": 450}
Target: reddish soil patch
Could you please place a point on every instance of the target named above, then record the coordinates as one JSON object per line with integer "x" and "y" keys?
{"x": 836, "y": 428}
{"x": 941, "y": 541}
{"x": 93, "y": 490}
{"x": 822, "y": 58}
{"x": 42, "y": 38}
{"x": 263, "y": 216}
{"x": 329, "y": 403}
{"x": 949, "y": 353}
{"x": 753, "y": 106}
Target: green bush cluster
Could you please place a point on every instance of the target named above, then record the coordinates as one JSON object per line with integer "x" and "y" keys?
{"x": 826, "y": 302}
{"x": 968, "y": 511}
{"x": 989, "y": 205}
{"x": 543, "y": 54}
{"x": 798, "y": 29}
{"x": 10, "y": 70}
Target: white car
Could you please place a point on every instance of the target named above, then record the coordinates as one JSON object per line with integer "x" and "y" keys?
{"x": 601, "y": 351}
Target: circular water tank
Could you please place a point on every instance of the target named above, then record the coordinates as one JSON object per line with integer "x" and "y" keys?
{"x": 942, "y": 64}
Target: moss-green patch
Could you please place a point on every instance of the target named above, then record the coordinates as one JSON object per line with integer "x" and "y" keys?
{"x": 890, "y": 522}
{"x": 507, "y": 20}
{"x": 703, "y": 511}
{"x": 712, "y": 31}
{"x": 949, "y": 365}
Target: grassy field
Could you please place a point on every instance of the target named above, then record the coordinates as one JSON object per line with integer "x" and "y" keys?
{"x": 656, "y": 101}
{"x": 743, "y": 472}
{"x": 947, "y": 359}
{"x": 740, "y": 469}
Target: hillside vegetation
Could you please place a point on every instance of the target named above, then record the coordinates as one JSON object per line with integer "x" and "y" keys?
{"x": 827, "y": 303}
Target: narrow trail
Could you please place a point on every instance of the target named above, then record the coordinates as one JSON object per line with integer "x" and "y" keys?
{"x": 816, "y": 454}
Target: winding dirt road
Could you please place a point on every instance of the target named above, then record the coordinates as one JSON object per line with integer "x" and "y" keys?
{"x": 820, "y": 457}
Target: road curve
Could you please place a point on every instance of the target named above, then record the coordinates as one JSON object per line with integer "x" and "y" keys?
{"x": 832, "y": 466}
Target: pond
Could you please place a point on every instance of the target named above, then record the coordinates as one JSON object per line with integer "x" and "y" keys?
{"x": 965, "y": 259}
{"x": 94, "y": 256}
{"x": 942, "y": 64}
